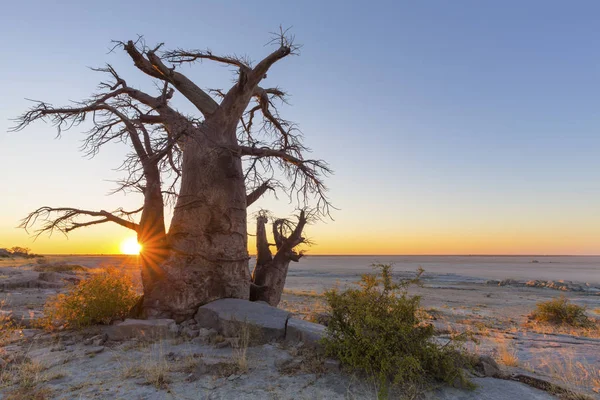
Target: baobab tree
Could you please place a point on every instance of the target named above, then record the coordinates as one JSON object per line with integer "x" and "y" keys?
{"x": 213, "y": 165}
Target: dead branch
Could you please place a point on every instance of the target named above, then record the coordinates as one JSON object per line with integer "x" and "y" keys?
{"x": 305, "y": 176}
{"x": 148, "y": 62}
{"x": 66, "y": 219}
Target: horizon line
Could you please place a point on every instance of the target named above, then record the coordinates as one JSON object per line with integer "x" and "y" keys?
{"x": 363, "y": 255}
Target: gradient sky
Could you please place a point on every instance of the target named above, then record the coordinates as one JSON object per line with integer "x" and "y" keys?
{"x": 453, "y": 127}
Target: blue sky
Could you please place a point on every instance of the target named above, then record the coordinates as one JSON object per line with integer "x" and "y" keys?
{"x": 453, "y": 127}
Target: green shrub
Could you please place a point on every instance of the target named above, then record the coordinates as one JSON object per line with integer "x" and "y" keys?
{"x": 376, "y": 329}
{"x": 561, "y": 311}
{"x": 104, "y": 297}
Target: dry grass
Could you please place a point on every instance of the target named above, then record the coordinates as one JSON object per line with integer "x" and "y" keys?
{"x": 305, "y": 293}
{"x": 188, "y": 364}
{"x": 312, "y": 362}
{"x": 58, "y": 268}
{"x": 154, "y": 370}
{"x": 156, "y": 373}
{"x": 240, "y": 351}
{"x": 565, "y": 368}
{"x": 155, "y": 367}
{"x": 592, "y": 331}
{"x": 27, "y": 375}
{"x": 30, "y": 394}
{"x": 506, "y": 353}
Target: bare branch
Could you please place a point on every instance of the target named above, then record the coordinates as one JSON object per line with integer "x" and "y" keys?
{"x": 306, "y": 176}
{"x": 286, "y": 48}
{"x": 149, "y": 63}
{"x": 66, "y": 219}
{"x": 181, "y": 56}
{"x": 257, "y": 193}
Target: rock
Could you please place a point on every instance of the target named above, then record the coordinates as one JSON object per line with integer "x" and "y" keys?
{"x": 49, "y": 277}
{"x": 30, "y": 333}
{"x": 535, "y": 283}
{"x": 282, "y": 360}
{"x": 213, "y": 366}
{"x": 58, "y": 347}
{"x": 303, "y": 331}
{"x": 331, "y": 365}
{"x": 2, "y": 363}
{"x": 207, "y": 334}
{"x": 287, "y": 363}
{"x": 490, "y": 389}
{"x": 230, "y": 316}
{"x": 487, "y": 366}
{"x": 94, "y": 350}
{"x": 189, "y": 332}
{"x": 209, "y": 385}
{"x": 189, "y": 322}
{"x": 147, "y": 329}
{"x": 174, "y": 329}
{"x": 97, "y": 340}
{"x": 510, "y": 282}
{"x": 492, "y": 282}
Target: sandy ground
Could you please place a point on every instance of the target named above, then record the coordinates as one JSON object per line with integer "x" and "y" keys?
{"x": 495, "y": 317}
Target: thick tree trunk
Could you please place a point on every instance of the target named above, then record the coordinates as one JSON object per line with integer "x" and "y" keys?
{"x": 270, "y": 273}
{"x": 208, "y": 256}
{"x": 151, "y": 232}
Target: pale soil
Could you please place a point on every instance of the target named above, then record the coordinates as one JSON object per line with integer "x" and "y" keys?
{"x": 495, "y": 315}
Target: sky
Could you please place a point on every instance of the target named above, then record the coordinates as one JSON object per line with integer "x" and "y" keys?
{"x": 453, "y": 127}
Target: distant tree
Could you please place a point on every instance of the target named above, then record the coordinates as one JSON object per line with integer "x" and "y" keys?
{"x": 211, "y": 166}
{"x": 20, "y": 251}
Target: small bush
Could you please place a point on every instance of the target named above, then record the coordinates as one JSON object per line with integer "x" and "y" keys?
{"x": 561, "y": 311}
{"x": 8, "y": 327}
{"x": 377, "y": 329}
{"x": 104, "y": 297}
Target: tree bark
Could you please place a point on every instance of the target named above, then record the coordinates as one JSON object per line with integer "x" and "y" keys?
{"x": 207, "y": 240}
{"x": 270, "y": 272}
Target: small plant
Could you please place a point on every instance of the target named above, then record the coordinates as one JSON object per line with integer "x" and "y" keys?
{"x": 507, "y": 355}
{"x": 377, "y": 329}
{"x": 240, "y": 351}
{"x": 104, "y": 297}
{"x": 8, "y": 327}
{"x": 561, "y": 311}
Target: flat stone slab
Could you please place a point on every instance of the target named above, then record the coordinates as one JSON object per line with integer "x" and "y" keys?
{"x": 144, "y": 329}
{"x": 306, "y": 332}
{"x": 491, "y": 389}
{"x": 230, "y": 316}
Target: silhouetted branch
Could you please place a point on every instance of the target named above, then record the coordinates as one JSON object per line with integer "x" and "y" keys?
{"x": 66, "y": 219}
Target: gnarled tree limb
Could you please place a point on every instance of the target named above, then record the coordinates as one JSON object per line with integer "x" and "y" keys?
{"x": 149, "y": 63}
{"x": 66, "y": 219}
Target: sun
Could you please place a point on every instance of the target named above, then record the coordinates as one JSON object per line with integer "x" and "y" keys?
{"x": 130, "y": 246}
